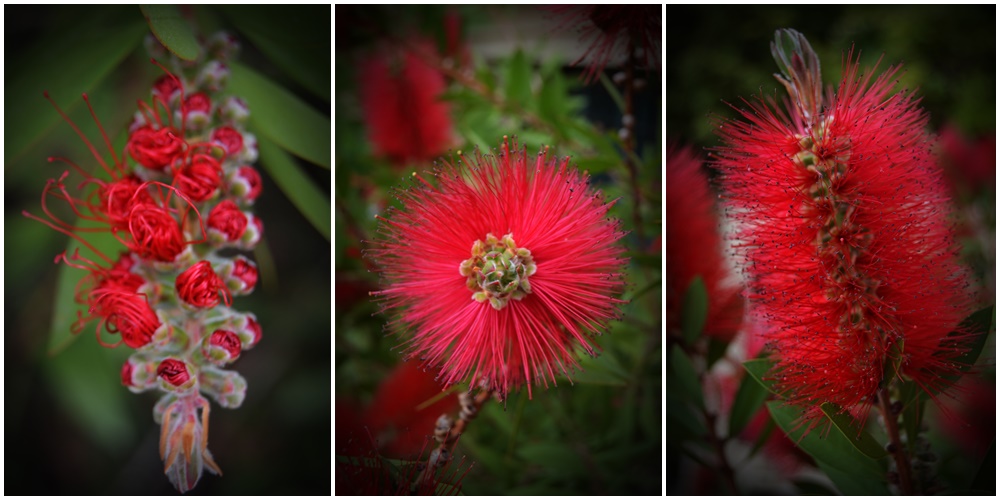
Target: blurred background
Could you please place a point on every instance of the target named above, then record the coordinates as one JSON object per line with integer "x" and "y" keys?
{"x": 721, "y": 54}
{"x": 70, "y": 426}
{"x": 414, "y": 84}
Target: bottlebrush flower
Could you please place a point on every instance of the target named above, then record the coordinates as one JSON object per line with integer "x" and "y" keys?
{"x": 694, "y": 247}
{"x": 500, "y": 270}
{"x": 162, "y": 295}
{"x": 613, "y": 32}
{"x": 844, "y": 233}
{"x": 400, "y": 94}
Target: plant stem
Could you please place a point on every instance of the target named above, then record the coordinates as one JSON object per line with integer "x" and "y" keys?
{"x": 447, "y": 446}
{"x": 895, "y": 444}
{"x": 719, "y": 445}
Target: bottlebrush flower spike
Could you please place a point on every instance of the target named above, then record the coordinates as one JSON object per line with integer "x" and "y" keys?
{"x": 501, "y": 269}
{"x": 400, "y": 93}
{"x": 694, "y": 247}
{"x": 163, "y": 295}
{"x": 844, "y": 234}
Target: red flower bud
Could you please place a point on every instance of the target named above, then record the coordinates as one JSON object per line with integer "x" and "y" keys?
{"x": 248, "y": 180}
{"x": 199, "y": 180}
{"x": 200, "y": 286}
{"x": 228, "y": 342}
{"x": 228, "y": 219}
{"x": 254, "y": 327}
{"x": 154, "y": 233}
{"x": 229, "y": 138}
{"x": 166, "y": 88}
{"x": 127, "y": 373}
{"x": 173, "y": 371}
{"x": 155, "y": 149}
{"x": 246, "y": 273}
{"x": 197, "y": 110}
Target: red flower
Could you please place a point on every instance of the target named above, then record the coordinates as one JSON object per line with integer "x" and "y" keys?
{"x": 254, "y": 327}
{"x": 197, "y": 111}
{"x": 500, "y": 276}
{"x": 400, "y": 93}
{"x": 199, "y": 286}
{"x": 118, "y": 198}
{"x": 155, "y": 233}
{"x": 845, "y": 236}
{"x": 229, "y": 138}
{"x": 613, "y": 32}
{"x": 155, "y": 149}
{"x": 694, "y": 247}
{"x": 228, "y": 219}
{"x": 173, "y": 371}
{"x": 199, "y": 180}
{"x": 125, "y": 312}
{"x": 166, "y": 88}
{"x": 972, "y": 164}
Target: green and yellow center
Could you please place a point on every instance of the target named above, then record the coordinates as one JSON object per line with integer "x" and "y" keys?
{"x": 498, "y": 271}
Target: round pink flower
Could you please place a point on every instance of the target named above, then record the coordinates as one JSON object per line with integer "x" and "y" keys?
{"x": 500, "y": 272}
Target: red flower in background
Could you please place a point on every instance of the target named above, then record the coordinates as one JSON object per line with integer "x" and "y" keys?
{"x": 502, "y": 270}
{"x": 971, "y": 163}
{"x": 844, "y": 232}
{"x": 611, "y": 31}
{"x": 400, "y": 93}
{"x": 694, "y": 248}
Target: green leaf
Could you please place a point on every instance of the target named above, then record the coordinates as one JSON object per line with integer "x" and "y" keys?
{"x": 749, "y": 398}
{"x": 518, "y": 88}
{"x": 66, "y": 66}
{"x": 979, "y": 325}
{"x": 716, "y": 350}
{"x": 685, "y": 376}
{"x": 859, "y": 438}
{"x": 172, "y": 30}
{"x": 851, "y": 471}
{"x": 311, "y": 202}
{"x": 297, "y": 40}
{"x": 86, "y": 384}
{"x": 758, "y": 369}
{"x": 281, "y": 117}
{"x": 600, "y": 370}
{"x": 695, "y": 311}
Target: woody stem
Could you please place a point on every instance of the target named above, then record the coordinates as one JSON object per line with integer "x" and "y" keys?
{"x": 447, "y": 446}
{"x": 896, "y": 446}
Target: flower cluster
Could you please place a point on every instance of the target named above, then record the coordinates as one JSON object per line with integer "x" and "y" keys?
{"x": 502, "y": 269}
{"x": 844, "y": 231}
{"x": 180, "y": 209}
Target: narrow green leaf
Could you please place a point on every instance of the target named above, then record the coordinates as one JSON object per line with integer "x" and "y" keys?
{"x": 297, "y": 40}
{"x": 613, "y": 92}
{"x": 67, "y": 67}
{"x": 280, "y": 116}
{"x": 749, "y": 398}
{"x": 310, "y": 201}
{"x": 716, "y": 350}
{"x": 859, "y": 438}
{"x": 172, "y": 30}
{"x": 695, "y": 310}
{"x": 758, "y": 369}
{"x": 686, "y": 376}
{"x": 853, "y": 472}
{"x": 84, "y": 379}
{"x": 980, "y": 324}
{"x": 518, "y": 88}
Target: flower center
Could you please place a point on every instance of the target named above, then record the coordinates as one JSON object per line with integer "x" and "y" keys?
{"x": 498, "y": 271}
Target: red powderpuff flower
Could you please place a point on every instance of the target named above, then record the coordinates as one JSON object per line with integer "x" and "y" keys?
{"x": 694, "y": 248}
{"x": 844, "y": 232}
{"x": 613, "y": 32}
{"x": 199, "y": 286}
{"x": 502, "y": 269}
{"x": 400, "y": 93}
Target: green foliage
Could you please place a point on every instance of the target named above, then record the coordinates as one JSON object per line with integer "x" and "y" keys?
{"x": 171, "y": 30}
{"x": 694, "y": 310}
